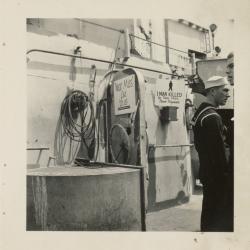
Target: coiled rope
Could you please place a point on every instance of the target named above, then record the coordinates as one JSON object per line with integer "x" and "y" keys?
{"x": 76, "y": 125}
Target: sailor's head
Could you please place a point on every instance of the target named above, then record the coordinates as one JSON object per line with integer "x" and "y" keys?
{"x": 230, "y": 68}
{"x": 217, "y": 90}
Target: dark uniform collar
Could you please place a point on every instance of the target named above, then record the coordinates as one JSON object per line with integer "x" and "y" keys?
{"x": 202, "y": 108}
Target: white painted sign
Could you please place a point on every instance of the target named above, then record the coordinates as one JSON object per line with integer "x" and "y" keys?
{"x": 169, "y": 93}
{"x": 124, "y": 95}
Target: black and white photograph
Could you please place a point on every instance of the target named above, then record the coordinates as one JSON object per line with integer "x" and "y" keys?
{"x": 122, "y": 126}
{"x": 129, "y": 125}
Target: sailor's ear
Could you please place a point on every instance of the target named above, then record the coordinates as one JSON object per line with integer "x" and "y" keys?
{"x": 212, "y": 91}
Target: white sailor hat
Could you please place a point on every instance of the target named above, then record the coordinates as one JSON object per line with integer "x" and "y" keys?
{"x": 215, "y": 81}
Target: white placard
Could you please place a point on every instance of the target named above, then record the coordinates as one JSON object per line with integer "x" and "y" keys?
{"x": 124, "y": 95}
{"x": 169, "y": 93}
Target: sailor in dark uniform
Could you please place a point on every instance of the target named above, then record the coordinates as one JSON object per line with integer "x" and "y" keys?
{"x": 209, "y": 136}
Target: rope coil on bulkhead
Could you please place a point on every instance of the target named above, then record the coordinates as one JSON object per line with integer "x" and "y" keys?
{"x": 76, "y": 126}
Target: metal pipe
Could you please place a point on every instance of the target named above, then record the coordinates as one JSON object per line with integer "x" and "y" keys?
{"x": 51, "y": 158}
{"x": 105, "y": 164}
{"x": 96, "y": 60}
{"x": 165, "y": 46}
{"x": 100, "y": 25}
{"x": 42, "y": 148}
{"x": 168, "y": 146}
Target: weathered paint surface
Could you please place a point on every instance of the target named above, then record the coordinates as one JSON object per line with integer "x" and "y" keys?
{"x": 184, "y": 38}
{"x": 72, "y": 199}
{"x": 49, "y": 78}
{"x": 169, "y": 167}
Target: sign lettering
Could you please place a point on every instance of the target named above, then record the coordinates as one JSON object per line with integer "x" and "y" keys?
{"x": 169, "y": 93}
{"x": 124, "y": 95}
